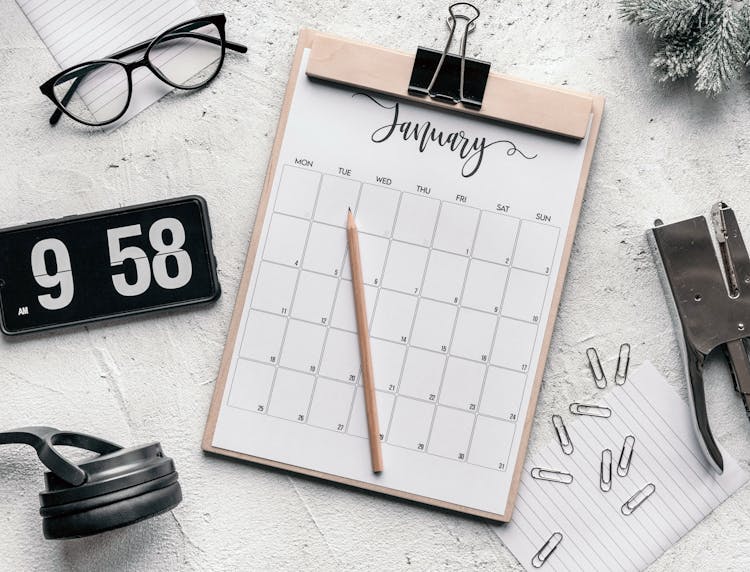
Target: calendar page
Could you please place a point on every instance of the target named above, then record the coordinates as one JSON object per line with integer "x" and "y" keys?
{"x": 462, "y": 225}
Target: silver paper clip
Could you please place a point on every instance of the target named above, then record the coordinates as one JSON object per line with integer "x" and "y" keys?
{"x": 596, "y": 368}
{"x": 623, "y": 361}
{"x": 605, "y": 471}
{"x": 541, "y": 474}
{"x": 562, "y": 434}
{"x": 637, "y": 499}
{"x": 623, "y": 465}
{"x": 546, "y": 551}
{"x": 590, "y": 410}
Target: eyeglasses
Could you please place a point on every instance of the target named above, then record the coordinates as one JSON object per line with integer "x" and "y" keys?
{"x": 186, "y": 56}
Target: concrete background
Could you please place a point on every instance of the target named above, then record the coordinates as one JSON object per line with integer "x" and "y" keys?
{"x": 663, "y": 151}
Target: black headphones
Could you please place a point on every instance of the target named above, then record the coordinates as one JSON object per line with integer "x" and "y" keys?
{"x": 117, "y": 488}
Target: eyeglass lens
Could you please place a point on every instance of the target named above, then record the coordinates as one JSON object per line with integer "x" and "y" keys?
{"x": 94, "y": 93}
{"x": 189, "y": 55}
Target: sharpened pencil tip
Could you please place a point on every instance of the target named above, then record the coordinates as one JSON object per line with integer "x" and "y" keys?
{"x": 350, "y": 209}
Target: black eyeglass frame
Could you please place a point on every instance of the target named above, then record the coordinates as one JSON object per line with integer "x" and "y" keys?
{"x": 48, "y": 87}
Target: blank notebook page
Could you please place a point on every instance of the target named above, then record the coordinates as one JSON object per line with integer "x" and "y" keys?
{"x": 76, "y": 31}
{"x": 596, "y": 535}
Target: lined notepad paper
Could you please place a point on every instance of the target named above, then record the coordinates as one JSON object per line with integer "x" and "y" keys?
{"x": 76, "y": 31}
{"x": 596, "y": 535}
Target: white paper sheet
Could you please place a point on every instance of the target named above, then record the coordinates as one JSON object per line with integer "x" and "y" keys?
{"x": 76, "y": 31}
{"x": 596, "y": 535}
{"x": 461, "y": 251}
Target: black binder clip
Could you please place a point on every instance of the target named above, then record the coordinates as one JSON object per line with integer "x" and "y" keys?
{"x": 711, "y": 303}
{"x": 455, "y": 79}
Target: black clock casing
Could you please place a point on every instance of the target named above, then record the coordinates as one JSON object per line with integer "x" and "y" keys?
{"x": 120, "y": 262}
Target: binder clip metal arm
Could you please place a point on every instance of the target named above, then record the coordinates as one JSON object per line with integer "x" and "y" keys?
{"x": 711, "y": 304}
{"x": 446, "y": 77}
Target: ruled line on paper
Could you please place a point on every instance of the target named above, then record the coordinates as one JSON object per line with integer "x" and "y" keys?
{"x": 596, "y": 535}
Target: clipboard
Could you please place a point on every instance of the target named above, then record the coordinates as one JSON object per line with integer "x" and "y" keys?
{"x": 556, "y": 111}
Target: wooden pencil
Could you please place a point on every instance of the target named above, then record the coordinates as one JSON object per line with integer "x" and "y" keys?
{"x": 368, "y": 378}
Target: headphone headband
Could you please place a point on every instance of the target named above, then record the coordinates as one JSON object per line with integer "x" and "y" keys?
{"x": 117, "y": 488}
{"x": 43, "y": 439}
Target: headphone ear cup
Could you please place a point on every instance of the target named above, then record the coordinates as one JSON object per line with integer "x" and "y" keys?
{"x": 112, "y": 515}
{"x": 122, "y": 488}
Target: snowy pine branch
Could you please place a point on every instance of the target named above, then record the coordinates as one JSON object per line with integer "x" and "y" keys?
{"x": 708, "y": 38}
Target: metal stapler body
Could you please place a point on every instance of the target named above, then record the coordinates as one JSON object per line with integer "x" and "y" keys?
{"x": 710, "y": 297}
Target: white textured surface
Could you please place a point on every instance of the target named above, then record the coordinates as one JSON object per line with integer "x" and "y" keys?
{"x": 662, "y": 152}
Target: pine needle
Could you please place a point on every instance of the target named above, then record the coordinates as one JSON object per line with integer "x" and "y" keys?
{"x": 721, "y": 53}
{"x": 675, "y": 59}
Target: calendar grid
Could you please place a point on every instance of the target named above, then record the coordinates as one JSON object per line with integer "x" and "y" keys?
{"x": 492, "y": 345}
{"x": 426, "y": 297}
{"x": 433, "y": 248}
{"x": 371, "y": 318}
{"x": 405, "y": 409}
{"x": 450, "y": 344}
{"x": 421, "y": 399}
{"x": 328, "y": 320}
{"x": 353, "y": 399}
{"x": 414, "y": 319}
{"x": 431, "y": 350}
{"x": 270, "y": 414}
{"x": 291, "y": 302}
{"x": 432, "y": 299}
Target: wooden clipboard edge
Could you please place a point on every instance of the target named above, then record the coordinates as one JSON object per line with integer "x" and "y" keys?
{"x": 304, "y": 41}
{"x": 596, "y": 119}
{"x": 510, "y": 100}
{"x": 357, "y": 484}
{"x": 306, "y": 38}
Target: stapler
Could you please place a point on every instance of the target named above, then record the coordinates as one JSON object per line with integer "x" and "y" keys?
{"x": 710, "y": 298}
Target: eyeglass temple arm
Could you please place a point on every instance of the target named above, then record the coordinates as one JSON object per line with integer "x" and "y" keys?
{"x": 181, "y": 34}
{"x": 57, "y": 114}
